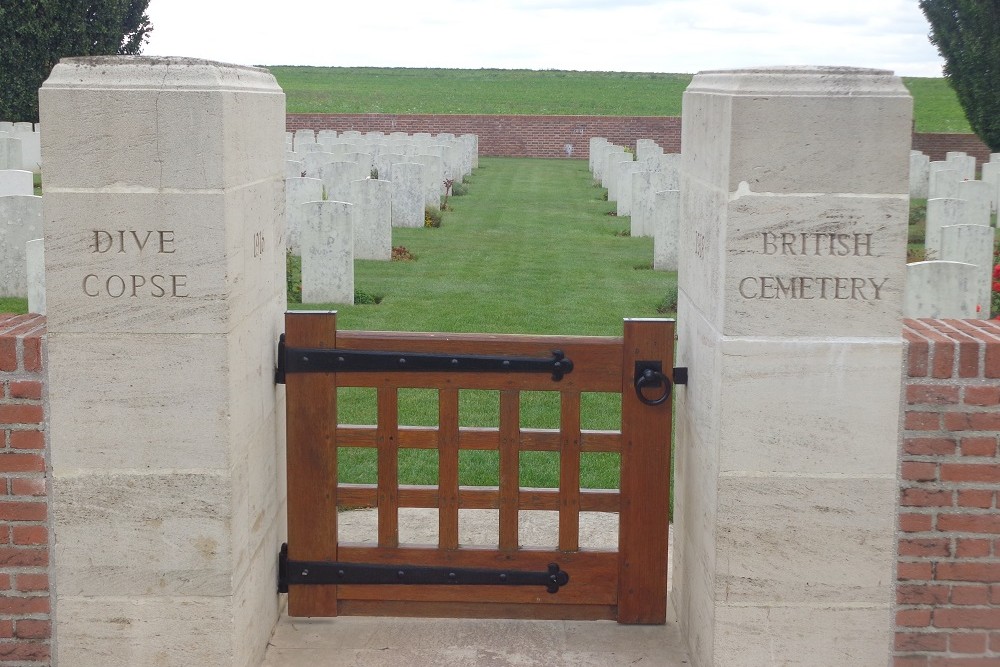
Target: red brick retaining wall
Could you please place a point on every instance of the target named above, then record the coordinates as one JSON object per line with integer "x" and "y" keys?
{"x": 548, "y": 136}
{"x": 510, "y": 136}
{"x": 936, "y": 145}
{"x": 25, "y": 624}
{"x": 948, "y": 595}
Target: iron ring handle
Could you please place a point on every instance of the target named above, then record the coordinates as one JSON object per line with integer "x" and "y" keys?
{"x": 652, "y": 378}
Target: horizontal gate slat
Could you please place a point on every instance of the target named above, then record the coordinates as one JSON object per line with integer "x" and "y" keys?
{"x": 532, "y": 440}
{"x": 479, "y": 498}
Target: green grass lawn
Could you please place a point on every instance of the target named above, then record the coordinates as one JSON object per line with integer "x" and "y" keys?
{"x": 935, "y": 106}
{"x": 545, "y": 92}
{"x": 479, "y": 91}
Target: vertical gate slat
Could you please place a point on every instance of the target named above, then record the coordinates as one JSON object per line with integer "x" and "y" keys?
{"x": 509, "y": 467}
{"x": 645, "y": 480}
{"x": 569, "y": 471}
{"x": 311, "y": 455}
{"x": 448, "y": 468}
{"x": 387, "y": 441}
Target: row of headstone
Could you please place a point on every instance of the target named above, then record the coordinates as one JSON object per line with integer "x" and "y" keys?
{"x": 445, "y": 156}
{"x": 943, "y": 178}
{"x": 330, "y": 234}
{"x": 20, "y": 146}
{"x": 646, "y": 188}
{"x": 956, "y": 279}
{"x": 346, "y": 192}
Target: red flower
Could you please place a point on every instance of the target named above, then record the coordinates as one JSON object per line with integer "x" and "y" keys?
{"x": 996, "y": 271}
{"x": 996, "y": 285}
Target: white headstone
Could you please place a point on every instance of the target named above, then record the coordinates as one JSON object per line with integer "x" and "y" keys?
{"x": 972, "y": 244}
{"x": 34, "y": 253}
{"x": 372, "y": 201}
{"x": 433, "y": 178}
{"x": 16, "y": 182}
{"x": 646, "y": 148}
{"x": 991, "y": 175}
{"x": 20, "y": 222}
{"x": 919, "y": 175}
{"x": 978, "y": 201}
{"x": 298, "y": 191}
{"x": 407, "y": 194}
{"x": 303, "y": 138}
{"x": 964, "y": 164}
{"x": 10, "y": 153}
{"x": 666, "y": 229}
{"x": 337, "y": 177}
{"x": 941, "y": 212}
{"x": 943, "y": 183}
{"x": 31, "y": 148}
{"x": 941, "y": 289}
{"x": 595, "y": 143}
{"x": 313, "y": 162}
{"x": 625, "y": 186}
{"x": 328, "y": 252}
{"x": 294, "y": 169}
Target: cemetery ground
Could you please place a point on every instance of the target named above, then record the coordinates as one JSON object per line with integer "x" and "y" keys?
{"x": 529, "y": 92}
{"x": 530, "y": 249}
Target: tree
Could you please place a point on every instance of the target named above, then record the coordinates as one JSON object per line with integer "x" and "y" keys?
{"x": 967, "y": 35}
{"x": 35, "y": 34}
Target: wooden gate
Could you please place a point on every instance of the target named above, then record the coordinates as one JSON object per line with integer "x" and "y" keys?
{"x": 318, "y": 570}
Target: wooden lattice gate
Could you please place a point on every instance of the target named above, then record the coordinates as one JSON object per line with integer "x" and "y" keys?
{"x": 324, "y": 577}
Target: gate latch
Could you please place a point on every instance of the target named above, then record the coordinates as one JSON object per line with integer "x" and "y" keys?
{"x": 649, "y": 375}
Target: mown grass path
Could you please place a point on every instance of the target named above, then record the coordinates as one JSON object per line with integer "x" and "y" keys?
{"x": 530, "y": 249}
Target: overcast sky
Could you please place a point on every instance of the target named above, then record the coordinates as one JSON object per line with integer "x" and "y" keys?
{"x": 605, "y": 35}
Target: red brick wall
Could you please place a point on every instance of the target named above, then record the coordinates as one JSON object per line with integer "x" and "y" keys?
{"x": 936, "y": 145}
{"x": 948, "y": 595}
{"x": 510, "y": 136}
{"x": 25, "y": 626}
{"x": 547, "y": 136}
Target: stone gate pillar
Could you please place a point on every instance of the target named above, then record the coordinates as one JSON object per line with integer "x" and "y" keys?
{"x": 793, "y": 246}
{"x": 165, "y": 285}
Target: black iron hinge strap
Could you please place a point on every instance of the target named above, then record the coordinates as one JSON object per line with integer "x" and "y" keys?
{"x": 318, "y": 573}
{"x": 305, "y": 360}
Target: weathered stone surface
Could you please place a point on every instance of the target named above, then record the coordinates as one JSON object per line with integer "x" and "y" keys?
{"x": 408, "y": 194}
{"x": 16, "y": 182}
{"x": 298, "y": 191}
{"x": 328, "y": 252}
{"x": 372, "y": 201}
{"x": 794, "y": 196}
{"x": 167, "y": 280}
{"x": 35, "y": 261}
{"x": 941, "y": 289}
{"x": 20, "y": 222}
{"x": 973, "y": 244}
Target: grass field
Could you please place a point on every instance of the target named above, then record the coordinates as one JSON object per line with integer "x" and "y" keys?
{"x": 545, "y": 92}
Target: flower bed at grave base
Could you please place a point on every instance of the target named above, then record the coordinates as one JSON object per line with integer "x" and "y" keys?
{"x": 948, "y": 593}
{"x": 25, "y": 623}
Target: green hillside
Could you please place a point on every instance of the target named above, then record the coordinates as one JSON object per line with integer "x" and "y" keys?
{"x": 530, "y": 92}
